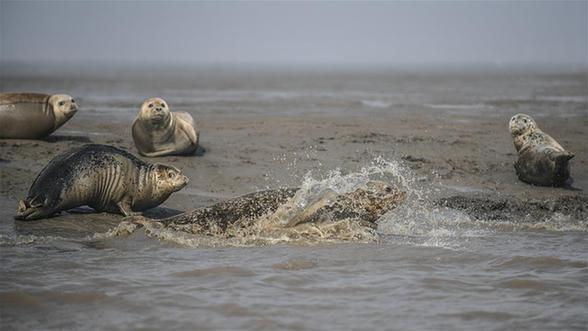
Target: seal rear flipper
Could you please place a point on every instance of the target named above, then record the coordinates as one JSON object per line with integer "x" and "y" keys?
{"x": 33, "y": 213}
{"x": 562, "y": 168}
{"x": 24, "y": 210}
{"x": 33, "y": 208}
{"x": 566, "y": 156}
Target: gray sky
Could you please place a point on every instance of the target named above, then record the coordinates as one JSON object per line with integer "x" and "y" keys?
{"x": 295, "y": 33}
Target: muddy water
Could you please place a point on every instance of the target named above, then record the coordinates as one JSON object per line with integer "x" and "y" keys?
{"x": 429, "y": 267}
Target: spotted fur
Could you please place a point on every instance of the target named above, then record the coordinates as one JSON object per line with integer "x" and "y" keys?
{"x": 542, "y": 160}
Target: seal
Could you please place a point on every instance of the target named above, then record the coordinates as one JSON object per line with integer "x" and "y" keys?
{"x": 102, "y": 177}
{"x": 33, "y": 115}
{"x": 157, "y": 131}
{"x": 363, "y": 206}
{"x": 542, "y": 160}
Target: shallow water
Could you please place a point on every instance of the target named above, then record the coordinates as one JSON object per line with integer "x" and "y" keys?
{"x": 430, "y": 268}
{"x": 491, "y": 281}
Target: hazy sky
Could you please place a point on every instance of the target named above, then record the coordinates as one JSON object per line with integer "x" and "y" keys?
{"x": 287, "y": 32}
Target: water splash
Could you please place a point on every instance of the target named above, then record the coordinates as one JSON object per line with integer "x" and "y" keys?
{"x": 418, "y": 216}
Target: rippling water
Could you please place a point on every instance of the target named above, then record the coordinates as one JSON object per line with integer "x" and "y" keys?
{"x": 430, "y": 268}
{"x": 490, "y": 281}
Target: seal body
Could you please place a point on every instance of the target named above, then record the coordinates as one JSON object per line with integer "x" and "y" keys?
{"x": 102, "y": 177}
{"x": 32, "y": 115}
{"x": 158, "y": 132}
{"x": 542, "y": 160}
{"x": 364, "y": 206}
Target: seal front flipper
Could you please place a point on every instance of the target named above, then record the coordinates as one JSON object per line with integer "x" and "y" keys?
{"x": 129, "y": 225}
{"x": 517, "y": 168}
{"x": 164, "y": 152}
{"x": 190, "y": 133}
{"x": 124, "y": 206}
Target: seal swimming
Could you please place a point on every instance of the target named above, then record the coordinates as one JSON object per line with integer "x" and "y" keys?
{"x": 102, "y": 177}
{"x": 157, "y": 131}
{"x": 33, "y": 115}
{"x": 542, "y": 160}
{"x": 363, "y": 207}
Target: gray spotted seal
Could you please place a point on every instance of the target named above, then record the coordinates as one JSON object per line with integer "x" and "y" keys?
{"x": 157, "y": 131}
{"x": 102, "y": 177}
{"x": 33, "y": 115}
{"x": 268, "y": 210}
{"x": 542, "y": 160}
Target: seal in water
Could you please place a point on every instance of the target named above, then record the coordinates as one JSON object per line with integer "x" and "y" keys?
{"x": 542, "y": 160}
{"x": 33, "y": 115}
{"x": 102, "y": 177}
{"x": 363, "y": 206}
{"x": 157, "y": 131}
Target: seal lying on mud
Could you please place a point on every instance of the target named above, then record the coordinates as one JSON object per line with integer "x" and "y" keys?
{"x": 102, "y": 177}
{"x": 542, "y": 160}
{"x": 272, "y": 209}
{"x": 157, "y": 131}
{"x": 32, "y": 115}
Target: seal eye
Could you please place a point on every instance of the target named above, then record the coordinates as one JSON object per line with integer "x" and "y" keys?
{"x": 150, "y": 105}
{"x": 163, "y": 105}
{"x": 525, "y": 120}
{"x": 73, "y": 101}
{"x": 388, "y": 189}
{"x": 61, "y": 103}
{"x": 171, "y": 174}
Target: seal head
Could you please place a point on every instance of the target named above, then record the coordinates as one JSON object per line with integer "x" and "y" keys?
{"x": 520, "y": 124}
{"x": 64, "y": 108}
{"x": 170, "y": 179}
{"x": 155, "y": 111}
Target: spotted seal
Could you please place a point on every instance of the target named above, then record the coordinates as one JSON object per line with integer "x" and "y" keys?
{"x": 157, "y": 131}
{"x": 33, "y": 115}
{"x": 102, "y": 177}
{"x": 542, "y": 160}
{"x": 363, "y": 206}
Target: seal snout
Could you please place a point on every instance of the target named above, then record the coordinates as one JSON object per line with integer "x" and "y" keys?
{"x": 73, "y": 109}
{"x": 185, "y": 180}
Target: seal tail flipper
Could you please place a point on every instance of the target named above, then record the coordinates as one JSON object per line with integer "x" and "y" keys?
{"x": 24, "y": 210}
{"x": 562, "y": 168}
{"x": 562, "y": 158}
{"x": 568, "y": 156}
{"x": 32, "y": 208}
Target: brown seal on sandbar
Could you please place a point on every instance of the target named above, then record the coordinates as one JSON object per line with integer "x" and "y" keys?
{"x": 157, "y": 131}
{"x": 33, "y": 115}
{"x": 542, "y": 160}
{"x": 102, "y": 177}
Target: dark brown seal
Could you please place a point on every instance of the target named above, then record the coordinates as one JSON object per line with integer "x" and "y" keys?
{"x": 102, "y": 177}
